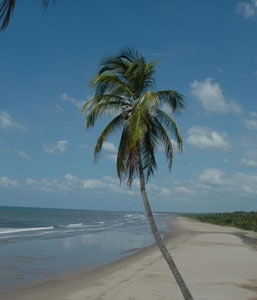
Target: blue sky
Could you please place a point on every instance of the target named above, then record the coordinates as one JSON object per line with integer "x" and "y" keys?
{"x": 205, "y": 49}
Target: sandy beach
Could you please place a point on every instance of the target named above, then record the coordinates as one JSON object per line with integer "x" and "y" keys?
{"x": 215, "y": 262}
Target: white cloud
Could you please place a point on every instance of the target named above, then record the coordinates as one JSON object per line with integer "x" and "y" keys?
{"x": 205, "y": 138}
{"x": 71, "y": 178}
{"x": 22, "y": 154}
{"x": 245, "y": 183}
{"x": 112, "y": 157}
{"x": 8, "y": 183}
{"x": 92, "y": 183}
{"x": 183, "y": 190}
{"x": 59, "y": 108}
{"x": 212, "y": 98}
{"x": 251, "y": 122}
{"x": 247, "y": 9}
{"x": 209, "y": 185}
{"x": 7, "y": 122}
{"x": 249, "y": 162}
{"x": 237, "y": 184}
{"x": 31, "y": 182}
{"x": 78, "y": 103}
{"x": 47, "y": 185}
{"x": 18, "y": 152}
{"x": 250, "y": 159}
{"x": 173, "y": 190}
{"x": 110, "y": 147}
{"x": 70, "y": 182}
{"x": 213, "y": 177}
{"x": 164, "y": 192}
{"x": 58, "y": 147}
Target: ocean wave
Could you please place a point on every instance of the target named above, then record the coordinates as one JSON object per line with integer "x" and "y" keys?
{"x": 75, "y": 225}
{"x": 42, "y": 225}
{"x": 81, "y": 225}
{"x": 15, "y": 230}
{"x": 135, "y": 216}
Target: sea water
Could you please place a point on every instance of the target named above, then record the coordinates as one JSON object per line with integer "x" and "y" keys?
{"x": 37, "y": 243}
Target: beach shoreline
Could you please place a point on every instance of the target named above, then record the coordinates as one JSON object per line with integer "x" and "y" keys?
{"x": 214, "y": 261}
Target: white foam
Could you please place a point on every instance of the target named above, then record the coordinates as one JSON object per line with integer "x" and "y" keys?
{"x": 14, "y": 230}
{"x": 74, "y": 225}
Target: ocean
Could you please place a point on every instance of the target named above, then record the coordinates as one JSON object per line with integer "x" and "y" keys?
{"x": 39, "y": 243}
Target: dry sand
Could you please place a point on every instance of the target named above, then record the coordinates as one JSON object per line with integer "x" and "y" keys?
{"x": 214, "y": 261}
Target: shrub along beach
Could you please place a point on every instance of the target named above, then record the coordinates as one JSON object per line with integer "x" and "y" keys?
{"x": 243, "y": 220}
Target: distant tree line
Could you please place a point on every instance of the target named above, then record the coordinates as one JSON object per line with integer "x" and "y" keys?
{"x": 239, "y": 219}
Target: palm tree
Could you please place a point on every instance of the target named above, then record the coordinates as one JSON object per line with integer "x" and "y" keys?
{"x": 6, "y": 10}
{"x": 121, "y": 89}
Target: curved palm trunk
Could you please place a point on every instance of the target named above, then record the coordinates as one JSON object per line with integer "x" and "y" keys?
{"x": 159, "y": 241}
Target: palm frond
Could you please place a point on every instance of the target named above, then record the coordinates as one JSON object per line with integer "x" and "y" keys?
{"x": 6, "y": 10}
{"x": 132, "y": 165}
{"x": 148, "y": 152}
{"x": 114, "y": 64}
{"x": 171, "y": 125}
{"x": 110, "y": 83}
{"x": 174, "y": 99}
{"x": 45, "y": 3}
{"x": 149, "y": 101}
{"x": 122, "y": 154}
{"x": 136, "y": 125}
{"x": 132, "y": 69}
{"x": 163, "y": 139}
{"x": 127, "y": 158}
{"x": 149, "y": 80}
{"x": 106, "y": 105}
{"x": 129, "y": 53}
{"x": 115, "y": 124}
{"x": 87, "y": 106}
{"x": 140, "y": 76}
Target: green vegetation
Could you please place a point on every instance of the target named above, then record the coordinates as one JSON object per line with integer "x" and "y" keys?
{"x": 243, "y": 220}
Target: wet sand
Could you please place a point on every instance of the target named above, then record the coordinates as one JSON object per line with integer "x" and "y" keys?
{"x": 214, "y": 261}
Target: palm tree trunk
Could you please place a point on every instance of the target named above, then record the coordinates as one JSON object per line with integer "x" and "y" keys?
{"x": 159, "y": 241}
